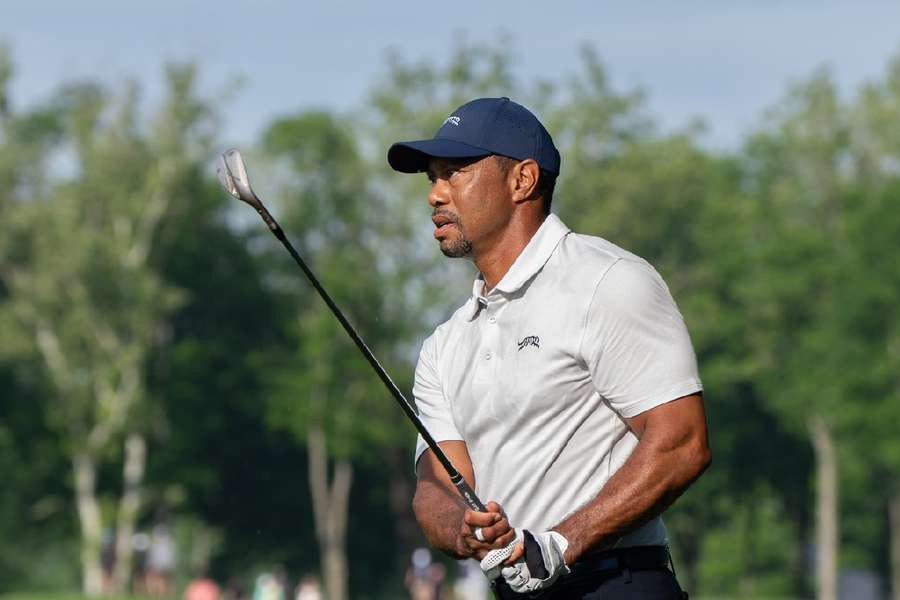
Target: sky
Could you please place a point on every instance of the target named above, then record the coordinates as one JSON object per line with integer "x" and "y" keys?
{"x": 722, "y": 61}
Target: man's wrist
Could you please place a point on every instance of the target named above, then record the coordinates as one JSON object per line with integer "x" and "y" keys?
{"x": 575, "y": 549}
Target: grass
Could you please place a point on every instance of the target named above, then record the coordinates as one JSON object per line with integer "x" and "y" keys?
{"x": 62, "y": 596}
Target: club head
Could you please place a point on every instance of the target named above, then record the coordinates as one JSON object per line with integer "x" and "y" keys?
{"x": 233, "y": 177}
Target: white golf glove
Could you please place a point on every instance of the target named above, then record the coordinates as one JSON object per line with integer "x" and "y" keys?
{"x": 493, "y": 560}
{"x": 542, "y": 564}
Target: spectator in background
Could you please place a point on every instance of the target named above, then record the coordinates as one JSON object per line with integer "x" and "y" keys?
{"x": 268, "y": 587}
{"x": 281, "y": 578}
{"x": 202, "y": 588}
{"x": 140, "y": 542}
{"x": 470, "y": 583}
{"x": 424, "y": 578}
{"x": 437, "y": 573}
{"x": 235, "y": 590}
{"x": 108, "y": 559}
{"x": 309, "y": 588}
{"x": 161, "y": 558}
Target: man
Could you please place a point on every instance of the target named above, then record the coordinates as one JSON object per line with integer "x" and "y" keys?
{"x": 565, "y": 389}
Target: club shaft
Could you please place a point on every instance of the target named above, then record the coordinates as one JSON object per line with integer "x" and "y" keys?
{"x": 456, "y": 478}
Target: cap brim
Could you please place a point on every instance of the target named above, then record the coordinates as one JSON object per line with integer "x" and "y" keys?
{"x": 413, "y": 157}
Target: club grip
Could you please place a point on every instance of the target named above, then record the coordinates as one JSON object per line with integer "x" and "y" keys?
{"x": 468, "y": 494}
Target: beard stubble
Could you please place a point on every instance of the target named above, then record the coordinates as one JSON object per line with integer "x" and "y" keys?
{"x": 461, "y": 247}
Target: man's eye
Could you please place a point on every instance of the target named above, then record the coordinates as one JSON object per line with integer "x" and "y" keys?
{"x": 445, "y": 174}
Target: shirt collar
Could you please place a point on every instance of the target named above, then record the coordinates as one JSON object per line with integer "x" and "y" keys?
{"x": 535, "y": 255}
{"x": 478, "y": 300}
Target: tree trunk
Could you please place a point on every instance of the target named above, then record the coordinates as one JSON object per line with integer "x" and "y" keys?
{"x": 330, "y": 509}
{"x": 336, "y": 570}
{"x": 129, "y": 505}
{"x": 894, "y": 519}
{"x": 826, "y": 510}
{"x": 89, "y": 520}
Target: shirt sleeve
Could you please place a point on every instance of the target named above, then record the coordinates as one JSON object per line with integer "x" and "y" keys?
{"x": 635, "y": 343}
{"x": 429, "y": 397}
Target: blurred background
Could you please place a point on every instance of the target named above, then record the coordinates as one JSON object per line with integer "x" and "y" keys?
{"x": 181, "y": 417}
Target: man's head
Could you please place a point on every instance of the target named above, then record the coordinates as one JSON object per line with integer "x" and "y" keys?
{"x": 488, "y": 159}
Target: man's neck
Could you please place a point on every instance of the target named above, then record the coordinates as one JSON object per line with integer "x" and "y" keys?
{"x": 495, "y": 262}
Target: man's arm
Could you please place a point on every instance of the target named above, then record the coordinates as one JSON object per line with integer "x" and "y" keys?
{"x": 448, "y": 524}
{"x": 672, "y": 453}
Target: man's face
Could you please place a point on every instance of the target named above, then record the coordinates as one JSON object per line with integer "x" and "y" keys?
{"x": 471, "y": 204}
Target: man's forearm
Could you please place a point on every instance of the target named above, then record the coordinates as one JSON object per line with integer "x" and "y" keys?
{"x": 439, "y": 514}
{"x": 649, "y": 481}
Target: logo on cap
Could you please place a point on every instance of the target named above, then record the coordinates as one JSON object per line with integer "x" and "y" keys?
{"x": 454, "y": 120}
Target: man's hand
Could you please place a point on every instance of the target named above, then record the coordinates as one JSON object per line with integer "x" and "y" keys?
{"x": 537, "y": 561}
{"x": 446, "y": 521}
{"x": 482, "y": 532}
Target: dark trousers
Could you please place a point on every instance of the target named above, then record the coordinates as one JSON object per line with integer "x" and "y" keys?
{"x": 613, "y": 575}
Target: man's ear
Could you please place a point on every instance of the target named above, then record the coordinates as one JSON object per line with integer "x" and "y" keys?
{"x": 524, "y": 179}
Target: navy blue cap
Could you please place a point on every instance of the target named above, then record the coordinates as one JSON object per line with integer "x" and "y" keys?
{"x": 479, "y": 128}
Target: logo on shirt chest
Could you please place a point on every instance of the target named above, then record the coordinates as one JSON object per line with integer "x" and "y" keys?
{"x": 531, "y": 340}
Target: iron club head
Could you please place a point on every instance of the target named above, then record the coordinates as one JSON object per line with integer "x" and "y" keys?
{"x": 233, "y": 177}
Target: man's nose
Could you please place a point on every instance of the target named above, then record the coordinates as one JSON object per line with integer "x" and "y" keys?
{"x": 438, "y": 194}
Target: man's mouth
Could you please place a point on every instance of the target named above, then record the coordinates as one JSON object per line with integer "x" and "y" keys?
{"x": 442, "y": 224}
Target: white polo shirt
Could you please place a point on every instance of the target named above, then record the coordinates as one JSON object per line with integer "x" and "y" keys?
{"x": 537, "y": 375}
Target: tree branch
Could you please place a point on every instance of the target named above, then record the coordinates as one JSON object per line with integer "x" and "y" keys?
{"x": 154, "y": 209}
{"x": 48, "y": 344}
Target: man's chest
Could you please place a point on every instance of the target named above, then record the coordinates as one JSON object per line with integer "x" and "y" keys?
{"x": 513, "y": 362}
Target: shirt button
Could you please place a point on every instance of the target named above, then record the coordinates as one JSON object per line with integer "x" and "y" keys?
{"x": 492, "y": 319}
{"x": 487, "y": 356}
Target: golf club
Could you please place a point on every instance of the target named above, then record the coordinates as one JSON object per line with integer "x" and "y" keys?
{"x": 233, "y": 175}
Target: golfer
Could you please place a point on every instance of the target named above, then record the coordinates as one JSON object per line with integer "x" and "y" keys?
{"x": 565, "y": 389}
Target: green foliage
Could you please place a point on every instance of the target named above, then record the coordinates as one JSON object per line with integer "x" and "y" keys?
{"x": 327, "y": 209}
{"x": 115, "y": 240}
{"x": 82, "y": 302}
{"x": 76, "y": 259}
{"x": 745, "y": 557}
{"x": 62, "y": 596}
{"x": 36, "y": 550}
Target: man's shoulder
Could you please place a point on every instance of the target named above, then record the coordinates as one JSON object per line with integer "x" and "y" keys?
{"x": 595, "y": 250}
{"x": 623, "y": 281}
{"x": 586, "y": 259}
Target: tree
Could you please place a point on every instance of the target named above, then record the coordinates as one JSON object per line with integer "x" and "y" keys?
{"x": 795, "y": 175}
{"x": 821, "y": 171}
{"x": 867, "y": 323}
{"x": 321, "y": 396}
{"x": 80, "y": 286}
